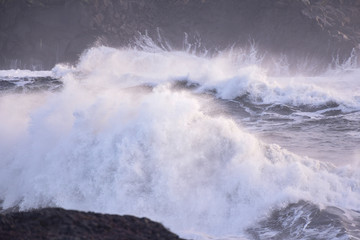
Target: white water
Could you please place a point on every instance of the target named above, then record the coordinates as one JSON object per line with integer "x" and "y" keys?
{"x": 16, "y": 73}
{"x": 231, "y": 74}
{"x": 101, "y": 145}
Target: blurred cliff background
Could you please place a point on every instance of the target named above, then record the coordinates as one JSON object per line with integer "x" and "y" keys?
{"x": 37, "y": 34}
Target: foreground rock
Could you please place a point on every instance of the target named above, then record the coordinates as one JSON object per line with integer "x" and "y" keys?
{"x": 57, "y": 223}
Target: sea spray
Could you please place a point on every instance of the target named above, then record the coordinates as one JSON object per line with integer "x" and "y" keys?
{"x": 230, "y": 74}
{"x": 118, "y": 138}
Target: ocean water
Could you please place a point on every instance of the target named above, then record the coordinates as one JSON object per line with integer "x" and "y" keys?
{"x": 213, "y": 147}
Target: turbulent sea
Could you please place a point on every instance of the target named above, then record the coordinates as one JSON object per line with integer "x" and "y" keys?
{"x": 213, "y": 147}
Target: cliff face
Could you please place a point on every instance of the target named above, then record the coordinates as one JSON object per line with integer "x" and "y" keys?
{"x": 42, "y": 33}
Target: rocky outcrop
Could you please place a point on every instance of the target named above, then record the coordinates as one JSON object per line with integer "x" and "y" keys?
{"x": 56, "y": 223}
{"x": 40, "y": 33}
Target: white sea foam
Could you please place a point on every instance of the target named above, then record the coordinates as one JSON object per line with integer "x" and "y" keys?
{"x": 99, "y": 145}
{"x": 231, "y": 74}
{"x": 22, "y": 77}
{"x": 18, "y": 73}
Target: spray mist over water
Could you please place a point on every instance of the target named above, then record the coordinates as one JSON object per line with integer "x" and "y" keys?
{"x": 119, "y": 138}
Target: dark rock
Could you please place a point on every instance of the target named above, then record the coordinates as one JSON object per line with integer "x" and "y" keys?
{"x": 57, "y": 223}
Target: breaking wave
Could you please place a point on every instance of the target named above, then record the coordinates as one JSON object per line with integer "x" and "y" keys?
{"x": 120, "y": 137}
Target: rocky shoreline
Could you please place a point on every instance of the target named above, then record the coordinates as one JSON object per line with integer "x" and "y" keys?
{"x": 57, "y": 223}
